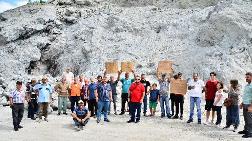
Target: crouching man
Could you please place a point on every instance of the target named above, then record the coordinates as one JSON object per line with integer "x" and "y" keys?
{"x": 80, "y": 115}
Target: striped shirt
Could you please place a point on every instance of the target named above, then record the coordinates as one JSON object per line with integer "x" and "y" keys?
{"x": 17, "y": 96}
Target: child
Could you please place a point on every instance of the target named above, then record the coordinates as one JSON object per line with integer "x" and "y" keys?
{"x": 218, "y": 101}
{"x": 80, "y": 115}
{"x": 154, "y": 98}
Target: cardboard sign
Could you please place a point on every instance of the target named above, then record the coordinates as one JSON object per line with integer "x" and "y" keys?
{"x": 164, "y": 67}
{"x": 178, "y": 87}
{"x": 127, "y": 66}
{"x": 111, "y": 67}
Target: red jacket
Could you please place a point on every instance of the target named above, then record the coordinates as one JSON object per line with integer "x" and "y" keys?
{"x": 136, "y": 92}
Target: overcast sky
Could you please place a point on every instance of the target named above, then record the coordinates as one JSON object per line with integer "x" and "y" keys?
{"x": 10, "y": 4}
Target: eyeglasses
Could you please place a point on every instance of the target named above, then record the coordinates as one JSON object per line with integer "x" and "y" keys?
{"x": 138, "y": 79}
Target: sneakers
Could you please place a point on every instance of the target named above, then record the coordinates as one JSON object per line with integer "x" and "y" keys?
{"x": 199, "y": 121}
{"x": 115, "y": 113}
{"x": 98, "y": 121}
{"x": 33, "y": 118}
{"x": 46, "y": 119}
{"x": 235, "y": 129}
{"x": 106, "y": 120}
{"x": 145, "y": 114}
{"x": 65, "y": 113}
{"x": 189, "y": 121}
{"x": 58, "y": 114}
{"x": 181, "y": 117}
{"x": 15, "y": 128}
{"x": 162, "y": 115}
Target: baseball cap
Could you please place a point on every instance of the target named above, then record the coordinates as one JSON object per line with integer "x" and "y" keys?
{"x": 80, "y": 102}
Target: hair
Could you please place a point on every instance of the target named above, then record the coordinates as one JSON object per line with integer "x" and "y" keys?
{"x": 222, "y": 85}
{"x": 154, "y": 84}
{"x": 142, "y": 74}
{"x": 179, "y": 73}
{"x": 249, "y": 73}
{"x": 175, "y": 76}
{"x": 19, "y": 83}
{"x": 234, "y": 83}
{"x": 195, "y": 74}
{"x": 99, "y": 76}
{"x": 212, "y": 73}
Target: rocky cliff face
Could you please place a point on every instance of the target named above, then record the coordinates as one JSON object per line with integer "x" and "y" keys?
{"x": 197, "y": 35}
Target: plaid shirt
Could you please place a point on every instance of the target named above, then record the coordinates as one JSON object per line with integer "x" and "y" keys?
{"x": 17, "y": 96}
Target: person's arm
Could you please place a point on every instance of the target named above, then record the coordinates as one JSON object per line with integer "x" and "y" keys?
{"x": 143, "y": 94}
{"x": 11, "y": 100}
{"x": 87, "y": 117}
{"x": 133, "y": 72}
{"x": 110, "y": 96}
{"x": 105, "y": 73}
{"x": 119, "y": 74}
{"x": 96, "y": 95}
{"x": 75, "y": 117}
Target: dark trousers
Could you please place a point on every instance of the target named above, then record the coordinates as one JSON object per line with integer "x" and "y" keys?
{"x": 219, "y": 116}
{"x": 32, "y": 108}
{"x": 135, "y": 111}
{"x": 247, "y": 119}
{"x": 77, "y": 123}
{"x": 92, "y": 107}
{"x": 43, "y": 106}
{"x": 145, "y": 104}
{"x": 173, "y": 102}
{"x": 74, "y": 101}
{"x": 232, "y": 117}
{"x": 179, "y": 102}
{"x": 124, "y": 100}
{"x": 17, "y": 114}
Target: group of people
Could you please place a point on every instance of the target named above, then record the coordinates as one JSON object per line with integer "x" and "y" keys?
{"x": 100, "y": 94}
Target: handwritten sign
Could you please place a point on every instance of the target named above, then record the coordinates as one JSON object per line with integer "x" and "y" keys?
{"x": 178, "y": 87}
{"x": 164, "y": 67}
{"x": 111, "y": 67}
{"x": 127, "y": 66}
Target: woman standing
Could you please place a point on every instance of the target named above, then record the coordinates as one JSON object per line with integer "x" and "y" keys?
{"x": 232, "y": 117}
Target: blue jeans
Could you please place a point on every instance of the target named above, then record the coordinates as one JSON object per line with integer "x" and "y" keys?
{"x": 164, "y": 100}
{"x": 194, "y": 100}
{"x": 102, "y": 105}
{"x": 145, "y": 104}
{"x": 232, "y": 117}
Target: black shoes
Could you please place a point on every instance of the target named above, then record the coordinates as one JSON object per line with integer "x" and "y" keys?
{"x": 15, "y": 129}
{"x": 175, "y": 117}
{"x": 247, "y": 135}
{"x": 106, "y": 120}
{"x": 199, "y": 121}
{"x": 181, "y": 117}
{"x": 189, "y": 121}
{"x": 122, "y": 113}
{"x": 65, "y": 113}
{"x": 130, "y": 121}
{"x": 243, "y": 132}
{"x": 137, "y": 121}
{"x": 19, "y": 126}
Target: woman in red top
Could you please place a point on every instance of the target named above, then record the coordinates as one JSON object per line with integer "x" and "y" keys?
{"x": 136, "y": 95}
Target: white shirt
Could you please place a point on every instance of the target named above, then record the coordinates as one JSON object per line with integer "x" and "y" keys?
{"x": 221, "y": 99}
{"x": 69, "y": 77}
{"x": 198, "y": 87}
{"x": 17, "y": 96}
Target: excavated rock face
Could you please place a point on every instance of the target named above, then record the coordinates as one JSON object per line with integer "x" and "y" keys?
{"x": 197, "y": 35}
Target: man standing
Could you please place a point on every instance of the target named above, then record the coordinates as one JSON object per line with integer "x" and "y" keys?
{"x": 92, "y": 104}
{"x": 84, "y": 95}
{"x": 136, "y": 96}
{"x": 113, "y": 84}
{"x": 246, "y": 105}
{"x": 126, "y": 82}
{"x": 164, "y": 97}
{"x": 75, "y": 90}
{"x": 62, "y": 90}
{"x": 211, "y": 88}
{"x": 17, "y": 99}
{"x": 68, "y": 75}
{"x": 44, "y": 91}
{"x": 195, "y": 88}
{"x": 103, "y": 97}
{"x": 32, "y": 100}
{"x": 146, "y": 86}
